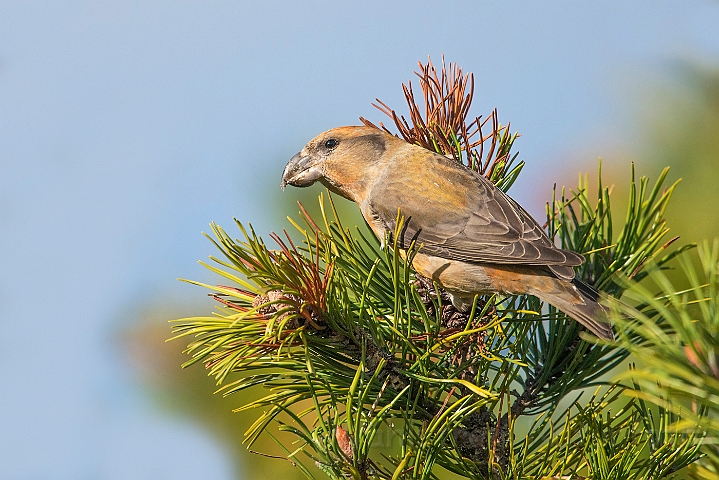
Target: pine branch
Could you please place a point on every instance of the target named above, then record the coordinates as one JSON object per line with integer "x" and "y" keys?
{"x": 443, "y": 125}
{"x": 675, "y": 339}
{"x": 341, "y": 340}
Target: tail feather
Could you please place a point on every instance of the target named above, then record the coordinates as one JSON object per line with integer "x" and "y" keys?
{"x": 583, "y": 306}
{"x": 586, "y": 290}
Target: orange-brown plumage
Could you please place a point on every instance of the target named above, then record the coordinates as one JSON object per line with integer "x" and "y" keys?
{"x": 473, "y": 238}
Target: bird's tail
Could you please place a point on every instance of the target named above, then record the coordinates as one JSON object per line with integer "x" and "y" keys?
{"x": 582, "y": 305}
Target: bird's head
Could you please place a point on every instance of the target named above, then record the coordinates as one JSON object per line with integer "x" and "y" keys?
{"x": 342, "y": 158}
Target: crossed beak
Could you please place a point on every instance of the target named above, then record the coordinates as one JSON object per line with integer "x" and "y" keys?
{"x": 300, "y": 171}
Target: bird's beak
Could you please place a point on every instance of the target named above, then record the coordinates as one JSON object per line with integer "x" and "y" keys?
{"x": 300, "y": 171}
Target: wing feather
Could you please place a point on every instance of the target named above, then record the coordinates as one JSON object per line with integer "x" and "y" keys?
{"x": 462, "y": 216}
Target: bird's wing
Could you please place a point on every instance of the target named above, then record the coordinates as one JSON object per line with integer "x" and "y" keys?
{"x": 455, "y": 213}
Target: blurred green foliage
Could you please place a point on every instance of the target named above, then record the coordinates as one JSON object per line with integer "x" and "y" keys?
{"x": 681, "y": 124}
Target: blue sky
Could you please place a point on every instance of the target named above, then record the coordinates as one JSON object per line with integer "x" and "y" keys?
{"x": 126, "y": 127}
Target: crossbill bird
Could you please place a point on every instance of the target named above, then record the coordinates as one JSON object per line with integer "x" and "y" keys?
{"x": 471, "y": 237}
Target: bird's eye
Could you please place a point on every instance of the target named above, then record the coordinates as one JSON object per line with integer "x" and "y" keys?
{"x": 331, "y": 143}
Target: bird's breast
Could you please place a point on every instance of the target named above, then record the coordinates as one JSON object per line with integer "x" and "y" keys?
{"x": 455, "y": 276}
{"x": 467, "y": 278}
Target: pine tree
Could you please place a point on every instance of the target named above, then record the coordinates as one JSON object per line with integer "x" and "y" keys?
{"x": 363, "y": 369}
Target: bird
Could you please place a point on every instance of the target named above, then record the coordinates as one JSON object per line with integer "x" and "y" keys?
{"x": 470, "y": 237}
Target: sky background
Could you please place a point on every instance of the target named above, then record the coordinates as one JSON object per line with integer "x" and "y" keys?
{"x": 126, "y": 127}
